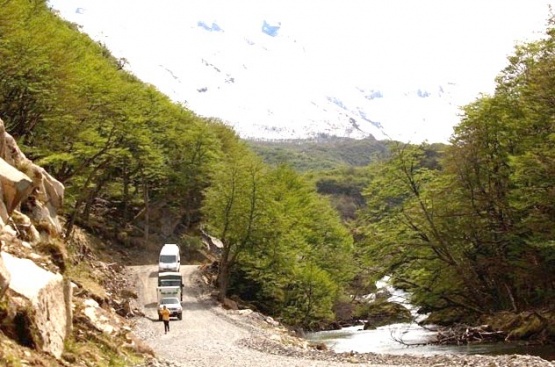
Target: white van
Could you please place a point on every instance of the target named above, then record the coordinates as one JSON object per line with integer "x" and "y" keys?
{"x": 169, "y": 258}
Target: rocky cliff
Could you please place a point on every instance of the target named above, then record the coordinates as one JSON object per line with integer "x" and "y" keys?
{"x": 40, "y": 301}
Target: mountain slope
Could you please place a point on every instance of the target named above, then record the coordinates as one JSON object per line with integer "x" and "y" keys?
{"x": 322, "y": 153}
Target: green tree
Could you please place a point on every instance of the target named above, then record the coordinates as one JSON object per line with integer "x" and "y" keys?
{"x": 235, "y": 207}
{"x": 191, "y": 154}
{"x": 302, "y": 258}
{"x": 470, "y": 233}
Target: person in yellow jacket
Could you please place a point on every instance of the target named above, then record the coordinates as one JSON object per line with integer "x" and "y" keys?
{"x": 166, "y": 318}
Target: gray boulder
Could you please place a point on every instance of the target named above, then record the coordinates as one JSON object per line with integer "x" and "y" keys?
{"x": 14, "y": 187}
{"x": 50, "y": 297}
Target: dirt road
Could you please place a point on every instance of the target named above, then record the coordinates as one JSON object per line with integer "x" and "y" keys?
{"x": 201, "y": 338}
{"x": 210, "y": 336}
{"x": 205, "y": 336}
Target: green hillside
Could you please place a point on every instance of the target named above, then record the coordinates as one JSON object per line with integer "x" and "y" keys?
{"x": 140, "y": 170}
{"x": 323, "y": 153}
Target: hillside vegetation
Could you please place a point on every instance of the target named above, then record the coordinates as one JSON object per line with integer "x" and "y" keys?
{"x": 466, "y": 228}
{"x": 140, "y": 170}
{"x": 328, "y": 153}
{"x": 322, "y": 153}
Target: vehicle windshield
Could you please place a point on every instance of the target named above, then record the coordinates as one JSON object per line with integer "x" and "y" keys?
{"x": 168, "y": 258}
{"x": 170, "y": 282}
{"x": 169, "y": 301}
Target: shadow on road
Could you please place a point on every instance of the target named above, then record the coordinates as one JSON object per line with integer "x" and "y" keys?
{"x": 192, "y": 305}
{"x": 153, "y": 319}
{"x": 156, "y": 319}
{"x": 196, "y": 305}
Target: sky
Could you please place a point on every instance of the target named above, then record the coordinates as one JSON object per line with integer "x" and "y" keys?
{"x": 328, "y": 44}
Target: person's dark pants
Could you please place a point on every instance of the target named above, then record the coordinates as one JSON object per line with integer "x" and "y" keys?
{"x": 166, "y": 326}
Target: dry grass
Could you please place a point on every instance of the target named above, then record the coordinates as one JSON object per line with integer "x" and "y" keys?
{"x": 89, "y": 282}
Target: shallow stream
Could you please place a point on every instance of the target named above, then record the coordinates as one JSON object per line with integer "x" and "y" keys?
{"x": 397, "y": 339}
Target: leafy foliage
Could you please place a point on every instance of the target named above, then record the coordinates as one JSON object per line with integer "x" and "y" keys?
{"x": 322, "y": 153}
{"x": 284, "y": 247}
{"x": 123, "y": 151}
{"x": 471, "y": 232}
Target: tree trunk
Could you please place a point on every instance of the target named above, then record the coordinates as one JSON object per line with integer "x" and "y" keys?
{"x": 125, "y": 209}
{"x": 223, "y": 280}
{"x": 147, "y": 210}
{"x": 224, "y": 270}
{"x": 81, "y": 199}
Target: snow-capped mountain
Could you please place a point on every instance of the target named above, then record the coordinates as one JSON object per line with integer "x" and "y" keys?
{"x": 269, "y": 80}
{"x": 262, "y": 85}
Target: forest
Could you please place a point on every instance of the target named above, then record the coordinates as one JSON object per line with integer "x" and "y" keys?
{"x": 466, "y": 227}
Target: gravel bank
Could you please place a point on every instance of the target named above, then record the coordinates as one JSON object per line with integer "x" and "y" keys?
{"x": 210, "y": 336}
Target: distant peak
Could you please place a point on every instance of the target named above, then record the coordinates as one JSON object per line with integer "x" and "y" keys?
{"x": 271, "y": 29}
{"x": 210, "y": 28}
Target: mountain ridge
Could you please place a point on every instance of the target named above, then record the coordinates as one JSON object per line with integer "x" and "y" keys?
{"x": 265, "y": 82}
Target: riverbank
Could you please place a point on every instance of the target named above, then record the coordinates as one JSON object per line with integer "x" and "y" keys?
{"x": 210, "y": 335}
{"x": 412, "y": 339}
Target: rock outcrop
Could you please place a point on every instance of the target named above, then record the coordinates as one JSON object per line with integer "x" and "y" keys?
{"x": 39, "y": 305}
{"x": 14, "y": 186}
{"x": 43, "y": 198}
{"x": 4, "y": 276}
{"x": 48, "y": 296}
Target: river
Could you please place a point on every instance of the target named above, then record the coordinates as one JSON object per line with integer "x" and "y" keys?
{"x": 397, "y": 338}
{"x": 408, "y": 338}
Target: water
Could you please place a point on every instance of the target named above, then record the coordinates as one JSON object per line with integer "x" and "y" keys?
{"x": 410, "y": 338}
{"x": 397, "y": 338}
